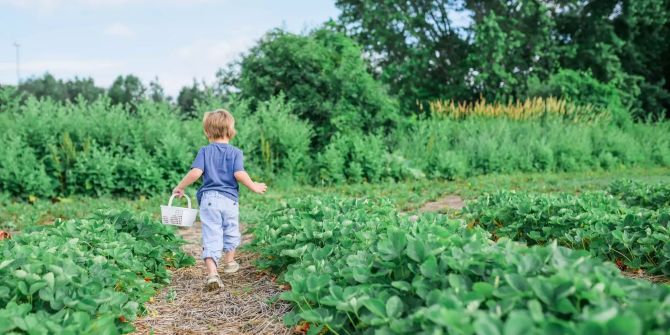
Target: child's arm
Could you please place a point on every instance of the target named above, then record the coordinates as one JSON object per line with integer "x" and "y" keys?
{"x": 188, "y": 179}
{"x": 243, "y": 178}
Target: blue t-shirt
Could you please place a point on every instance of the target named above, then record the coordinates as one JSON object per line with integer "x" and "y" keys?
{"x": 219, "y": 162}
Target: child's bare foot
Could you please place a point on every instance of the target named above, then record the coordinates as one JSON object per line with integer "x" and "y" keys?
{"x": 214, "y": 282}
{"x": 231, "y": 267}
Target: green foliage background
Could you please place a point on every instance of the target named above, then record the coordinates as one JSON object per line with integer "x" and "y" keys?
{"x": 99, "y": 148}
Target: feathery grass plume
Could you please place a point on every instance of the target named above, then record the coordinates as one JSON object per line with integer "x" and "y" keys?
{"x": 529, "y": 109}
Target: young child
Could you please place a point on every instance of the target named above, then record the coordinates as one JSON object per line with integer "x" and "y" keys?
{"x": 222, "y": 166}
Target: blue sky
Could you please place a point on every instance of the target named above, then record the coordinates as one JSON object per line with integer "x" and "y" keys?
{"x": 174, "y": 40}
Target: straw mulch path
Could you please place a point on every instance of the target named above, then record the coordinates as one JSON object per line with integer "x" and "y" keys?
{"x": 247, "y": 304}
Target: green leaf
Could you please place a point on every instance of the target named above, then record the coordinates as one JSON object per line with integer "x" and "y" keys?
{"x": 628, "y": 324}
{"x": 46, "y": 294}
{"x": 486, "y": 325}
{"x": 447, "y": 317}
{"x": 5, "y": 263}
{"x": 4, "y": 291}
{"x": 316, "y": 283}
{"x": 361, "y": 275}
{"x": 36, "y": 287}
{"x": 375, "y": 306}
{"x": 49, "y": 279}
{"x": 483, "y": 288}
{"x": 316, "y": 315}
{"x": 20, "y": 274}
{"x": 315, "y": 330}
{"x": 416, "y": 250}
{"x": 517, "y": 282}
{"x": 291, "y": 318}
{"x": 23, "y": 288}
{"x": 542, "y": 290}
{"x": 518, "y": 323}
{"x": 535, "y": 309}
{"x": 394, "y": 307}
{"x": 429, "y": 268}
{"x": 402, "y": 285}
{"x": 392, "y": 248}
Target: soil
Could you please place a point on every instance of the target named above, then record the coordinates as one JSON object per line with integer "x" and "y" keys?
{"x": 448, "y": 202}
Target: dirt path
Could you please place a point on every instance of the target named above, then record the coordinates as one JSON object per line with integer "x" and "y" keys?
{"x": 447, "y": 202}
{"x": 247, "y": 304}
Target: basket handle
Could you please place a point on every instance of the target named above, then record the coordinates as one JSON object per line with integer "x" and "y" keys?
{"x": 187, "y": 199}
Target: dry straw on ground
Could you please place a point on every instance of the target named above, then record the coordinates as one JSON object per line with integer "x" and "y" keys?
{"x": 248, "y": 303}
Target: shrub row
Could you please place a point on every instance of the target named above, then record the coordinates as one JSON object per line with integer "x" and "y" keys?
{"x": 95, "y": 148}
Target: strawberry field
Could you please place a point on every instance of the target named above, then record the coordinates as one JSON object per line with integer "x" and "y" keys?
{"x": 433, "y": 167}
{"x": 630, "y": 227}
{"x": 536, "y": 254}
{"x": 84, "y": 275}
{"x": 356, "y": 266}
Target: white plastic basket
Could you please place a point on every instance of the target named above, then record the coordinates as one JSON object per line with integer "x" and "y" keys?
{"x": 178, "y": 216}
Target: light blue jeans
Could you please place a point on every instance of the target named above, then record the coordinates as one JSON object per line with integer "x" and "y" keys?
{"x": 220, "y": 225}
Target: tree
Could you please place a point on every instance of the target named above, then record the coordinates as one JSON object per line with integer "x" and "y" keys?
{"x": 422, "y": 55}
{"x": 187, "y": 98}
{"x": 491, "y": 74}
{"x": 324, "y": 76}
{"x": 156, "y": 92}
{"x": 513, "y": 41}
{"x": 418, "y": 50}
{"x": 59, "y": 90}
{"x": 623, "y": 42}
{"x": 127, "y": 90}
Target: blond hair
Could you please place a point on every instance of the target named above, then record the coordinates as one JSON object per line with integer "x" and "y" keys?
{"x": 219, "y": 124}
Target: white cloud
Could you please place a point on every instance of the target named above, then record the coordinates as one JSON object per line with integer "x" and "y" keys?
{"x": 214, "y": 52}
{"x": 119, "y": 30}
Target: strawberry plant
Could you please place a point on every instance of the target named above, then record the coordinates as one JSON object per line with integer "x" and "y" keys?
{"x": 636, "y": 238}
{"x": 639, "y": 194}
{"x": 355, "y": 266}
{"x": 84, "y": 276}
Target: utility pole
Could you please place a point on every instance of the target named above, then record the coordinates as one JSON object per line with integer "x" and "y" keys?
{"x": 18, "y": 63}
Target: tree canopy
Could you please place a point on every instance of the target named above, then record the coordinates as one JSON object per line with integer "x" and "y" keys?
{"x": 420, "y": 50}
{"x": 323, "y": 75}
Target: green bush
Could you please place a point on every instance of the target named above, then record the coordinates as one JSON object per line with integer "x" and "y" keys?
{"x": 324, "y": 76}
{"x": 582, "y": 88}
{"x": 139, "y": 174}
{"x": 93, "y": 173}
{"x": 450, "y": 148}
{"x": 96, "y": 148}
{"x": 21, "y": 172}
{"x": 277, "y": 140}
{"x": 356, "y": 158}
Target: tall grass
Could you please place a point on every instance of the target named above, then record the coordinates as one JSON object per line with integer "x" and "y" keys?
{"x": 529, "y": 109}
{"x": 451, "y": 148}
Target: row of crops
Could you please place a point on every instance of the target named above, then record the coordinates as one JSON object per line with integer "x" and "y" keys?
{"x": 84, "y": 276}
{"x": 628, "y": 225}
{"x": 357, "y": 266}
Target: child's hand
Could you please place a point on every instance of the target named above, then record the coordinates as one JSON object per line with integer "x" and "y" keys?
{"x": 179, "y": 192}
{"x": 260, "y": 188}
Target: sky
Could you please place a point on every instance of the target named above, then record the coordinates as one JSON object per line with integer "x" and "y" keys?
{"x": 175, "y": 41}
